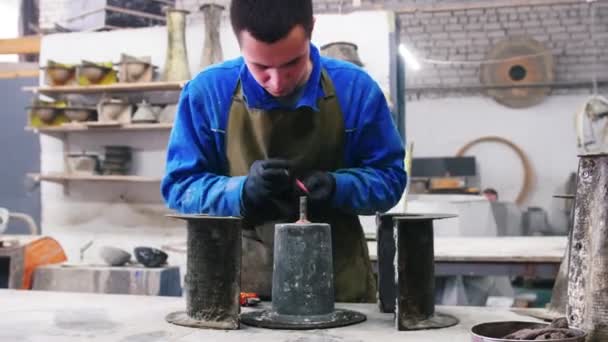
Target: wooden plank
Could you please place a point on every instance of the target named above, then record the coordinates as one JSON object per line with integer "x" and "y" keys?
{"x": 112, "y": 88}
{"x": 66, "y": 128}
{"x": 524, "y": 249}
{"x": 64, "y": 316}
{"x": 18, "y": 69}
{"x": 21, "y": 45}
{"x": 63, "y": 177}
{"x": 18, "y": 74}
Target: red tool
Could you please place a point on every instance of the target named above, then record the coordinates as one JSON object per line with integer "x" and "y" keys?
{"x": 249, "y": 299}
{"x": 302, "y": 186}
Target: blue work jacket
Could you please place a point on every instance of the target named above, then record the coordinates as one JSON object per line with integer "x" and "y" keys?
{"x": 197, "y": 180}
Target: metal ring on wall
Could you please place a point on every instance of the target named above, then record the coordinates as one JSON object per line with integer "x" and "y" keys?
{"x": 528, "y": 171}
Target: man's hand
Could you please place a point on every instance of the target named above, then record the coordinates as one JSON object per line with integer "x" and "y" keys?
{"x": 266, "y": 178}
{"x": 321, "y": 186}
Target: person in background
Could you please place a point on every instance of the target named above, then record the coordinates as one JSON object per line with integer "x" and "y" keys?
{"x": 247, "y": 129}
{"x": 491, "y": 194}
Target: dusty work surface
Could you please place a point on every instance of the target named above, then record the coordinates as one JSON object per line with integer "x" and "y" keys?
{"x": 495, "y": 249}
{"x": 57, "y": 316}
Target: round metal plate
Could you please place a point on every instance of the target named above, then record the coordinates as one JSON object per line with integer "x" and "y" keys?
{"x": 494, "y": 331}
{"x": 519, "y": 61}
{"x": 182, "y": 319}
{"x": 419, "y": 217}
{"x": 271, "y": 320}
{"x": 437, "y": 321}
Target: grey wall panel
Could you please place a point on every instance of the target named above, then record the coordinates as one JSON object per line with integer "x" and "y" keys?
{"x": 19, "y": 153}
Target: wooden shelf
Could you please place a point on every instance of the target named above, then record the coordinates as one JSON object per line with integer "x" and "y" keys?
{"x": 63, "y": 177}
{"x": 66, "y": 128}
{"x": 111, "y": 88}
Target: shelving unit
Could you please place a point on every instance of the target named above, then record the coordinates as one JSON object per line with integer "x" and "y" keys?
{"x": 64, "y": 177}
{"x": 94, "y": 128}
{"x": 111, "y": 88}
{"x": 67, "y": 128}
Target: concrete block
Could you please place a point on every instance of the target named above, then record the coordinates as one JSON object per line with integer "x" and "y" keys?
{"x": 531, "y": 23}
{"x": 577, "y": 28}
{"x": 435, "y": 29}
{"x": 474, "y": 12}
{"x": 439, "y": 36}
{"x": 560, "y": 36}
{"x": 581, "y": 36}
{"x": 458, "y": 35}
{"x": 492, "y": 26}
{"x": 481, "y": 42}
{"x": 496, "y": 34}
{"x": 162, "y": 281}
{"x": 555, "y": 28}
{"x": 442, "y": 14}
{"x": 571, "y": 21}
{"x": 512, "y": 24}
{"x": 454, "y": 27}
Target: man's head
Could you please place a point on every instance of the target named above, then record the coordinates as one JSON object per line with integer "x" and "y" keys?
{"x": 491, "y": 194}
{"x": 274, "y": 36}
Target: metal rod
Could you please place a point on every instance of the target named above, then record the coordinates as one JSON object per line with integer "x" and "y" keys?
{"x": 506, "y": 86}
{"x": 303, "y": 209}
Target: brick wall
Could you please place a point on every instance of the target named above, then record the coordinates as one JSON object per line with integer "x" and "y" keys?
{"x": 460, "y": 34}
{"x": 52, "y": 11}
{"x": 467, "y": 30}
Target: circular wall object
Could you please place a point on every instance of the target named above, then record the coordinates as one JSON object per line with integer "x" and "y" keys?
{"x": 518, "y": 61}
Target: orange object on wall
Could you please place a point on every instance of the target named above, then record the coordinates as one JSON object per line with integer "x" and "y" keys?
{"x": 43, "y": 251}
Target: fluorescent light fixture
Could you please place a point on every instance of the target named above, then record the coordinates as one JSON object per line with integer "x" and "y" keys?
{"x": 410, "y": 60}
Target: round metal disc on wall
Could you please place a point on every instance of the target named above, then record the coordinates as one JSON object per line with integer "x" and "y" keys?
{"x": 519, "y": 61}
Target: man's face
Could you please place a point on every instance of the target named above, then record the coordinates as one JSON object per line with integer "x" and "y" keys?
{"x": 491, "y": 197}
{"x": 279, "y": 67}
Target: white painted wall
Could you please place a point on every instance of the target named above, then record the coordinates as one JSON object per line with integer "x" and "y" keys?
{"x": 440, "y": 127}
{"x": 130, "y": 214}
{"x": 9, "y": 24}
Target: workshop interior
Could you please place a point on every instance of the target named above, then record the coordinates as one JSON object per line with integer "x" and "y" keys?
{"x": 439, "y": 173}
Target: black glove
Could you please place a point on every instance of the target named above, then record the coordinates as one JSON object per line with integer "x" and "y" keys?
{"x": 321, "y": 186}
{"x": 266, "y": 179}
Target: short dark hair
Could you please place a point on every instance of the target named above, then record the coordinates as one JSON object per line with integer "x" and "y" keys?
{"x": 270, "y": 20}
{"x": 490, "y": 191}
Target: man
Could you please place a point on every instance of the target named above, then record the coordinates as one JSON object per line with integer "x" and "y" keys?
{"x": 491, "y": 194}
{"x": 246, "y": 129}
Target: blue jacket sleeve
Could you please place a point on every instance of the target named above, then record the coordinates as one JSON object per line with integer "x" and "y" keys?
{"x": 195, "y": 180}
{"x": 375, "y": 177}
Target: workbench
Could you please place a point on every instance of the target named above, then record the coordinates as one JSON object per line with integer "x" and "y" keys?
{"x": 60, "y": 316}
{"x": 530, "y": 256}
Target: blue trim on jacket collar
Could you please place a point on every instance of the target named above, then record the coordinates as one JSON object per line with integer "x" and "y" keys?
{"x": 256, "y": 97}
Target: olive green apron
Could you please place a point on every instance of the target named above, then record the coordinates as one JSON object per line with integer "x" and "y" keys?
{"x": 313, "y": 141}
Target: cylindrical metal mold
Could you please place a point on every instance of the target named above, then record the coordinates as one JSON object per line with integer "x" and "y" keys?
{"x": 212, "y": 281}
{"x": 588, "y": 264}
{"x": 415, "y": 263}
{"x": 416, "y": 269}
{"x": 386, "y": 251}
{"x": 303, "y": 278}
